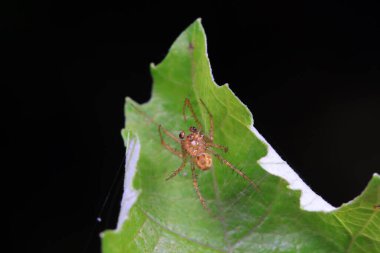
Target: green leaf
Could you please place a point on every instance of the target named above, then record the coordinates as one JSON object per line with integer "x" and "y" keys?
{"x": 168, "y": 216}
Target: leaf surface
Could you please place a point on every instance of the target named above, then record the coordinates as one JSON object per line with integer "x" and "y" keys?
{"x": 168, "y": 216}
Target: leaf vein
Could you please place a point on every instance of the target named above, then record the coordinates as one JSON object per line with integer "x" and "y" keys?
{"x": 355, "y": 236}
{"x": 150, "y": 217}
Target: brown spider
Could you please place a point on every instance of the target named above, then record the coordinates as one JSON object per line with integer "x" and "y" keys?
{"x": 197, "y": 147}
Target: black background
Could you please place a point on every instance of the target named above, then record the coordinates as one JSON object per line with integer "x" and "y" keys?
{"x": 309, "y": 72}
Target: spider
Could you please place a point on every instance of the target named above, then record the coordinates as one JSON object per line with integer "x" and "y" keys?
{"x": 197, "y": 147}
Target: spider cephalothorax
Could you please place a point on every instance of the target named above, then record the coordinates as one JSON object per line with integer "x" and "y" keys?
{"x": 198, "y": 147}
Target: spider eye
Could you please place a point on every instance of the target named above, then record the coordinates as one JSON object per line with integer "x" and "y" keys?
{"x": 182, "y": 135}
{"x": 193, "y": 129}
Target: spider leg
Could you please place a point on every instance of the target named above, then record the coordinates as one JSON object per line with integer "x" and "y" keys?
{"x": 175, "y": 173}
{"x": 211, "y": 133}
{"x": 173, "y": 150}
{"x": 214, "y": 145}
{"x": 150, "y": 119}
{"x": 168, "y": 133}
{"x": 188, "y": 104}
{"x": 196, "y": 187}
{"x": 220, "y": 158}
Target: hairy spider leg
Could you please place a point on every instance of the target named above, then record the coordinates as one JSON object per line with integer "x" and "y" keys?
{"x": 152, "y": 121}
{"x": 196, "y": 187}
{"x": 220, "y": 158}
{"x": 188, "y": 104}
{"x": 169, "y": 134}
{"x": 214, "y": 145}
{"x": 210, "y": 139}
{"x": 211, "y": 131}
{"x": 173, "y": 150}
{"x": 175, "y": 173}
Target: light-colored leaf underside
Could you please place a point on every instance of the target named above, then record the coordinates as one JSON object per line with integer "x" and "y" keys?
{"x": 168, "y": 217}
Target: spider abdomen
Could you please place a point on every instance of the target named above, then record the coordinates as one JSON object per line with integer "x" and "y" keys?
{"x": 204, "y": 161}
